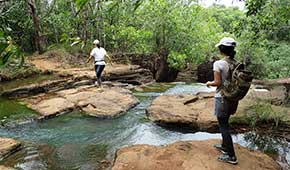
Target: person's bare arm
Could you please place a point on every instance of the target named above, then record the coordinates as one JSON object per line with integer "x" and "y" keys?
{"x": 217, "y": 80}
{"x": 109, "y": 59}
{"x": 90, "y": 57}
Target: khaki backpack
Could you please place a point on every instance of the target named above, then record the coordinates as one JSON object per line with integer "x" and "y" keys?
{"x": 238, "y": 81}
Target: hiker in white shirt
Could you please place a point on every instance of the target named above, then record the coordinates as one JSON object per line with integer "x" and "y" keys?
{"x": 99, "y": 54}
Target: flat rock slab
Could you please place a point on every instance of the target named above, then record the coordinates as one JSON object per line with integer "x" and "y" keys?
{"x": 97, "y": 102}
{"x": 193, "y": 110}
{"x": 190, "y": 155}
{"x": 8, "y": 146}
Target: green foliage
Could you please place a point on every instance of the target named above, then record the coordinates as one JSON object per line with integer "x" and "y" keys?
{"x": 176, "y": 60}
{"x": 181, "y": 28}
{"x": 270, "y": 18}
{"x": 73, "y": 41}
{"x": 278, "y": 60}
{"x": 81, "y": 3}
{"x": 262, "y": 112}
{"x": 254, "y": 50}
{"x": 129, "y": 39}
{"x": 16, "y": 22}
{"x": 228, "y": 18}
{"x": 9, "y": 51}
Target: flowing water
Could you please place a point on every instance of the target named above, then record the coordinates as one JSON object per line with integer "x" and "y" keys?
{"x": 75, "y": 141}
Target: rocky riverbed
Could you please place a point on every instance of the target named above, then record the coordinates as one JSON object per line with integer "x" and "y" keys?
{"x": 65, "y": 141}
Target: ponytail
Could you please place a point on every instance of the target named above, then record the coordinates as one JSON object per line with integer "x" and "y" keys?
{"x": 232, "y": 54}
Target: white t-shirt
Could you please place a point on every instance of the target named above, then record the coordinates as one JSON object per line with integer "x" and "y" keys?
{"x": 99, "y": 55}
{"x": 222, "y": 67}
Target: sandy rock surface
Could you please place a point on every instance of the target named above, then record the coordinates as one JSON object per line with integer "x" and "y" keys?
{"x": 99, "y": 102}
{"x": 190, "y": 155}
{"x": 193, "y": 110}
{"x": 7, "y": 147}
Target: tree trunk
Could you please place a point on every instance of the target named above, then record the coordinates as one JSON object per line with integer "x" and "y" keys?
{"x": 37, "y": 38}
{"x": 162, "y": 71}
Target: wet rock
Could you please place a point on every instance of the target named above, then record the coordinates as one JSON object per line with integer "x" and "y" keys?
{"x": 190, "y": 155}
{"x": 44, "y": 87}
{"x": 275, "y": 95}
{"x": 126, "y": 72}
{"x": 86, "y": 157}
{"x": 8, "y": 146}
{"x": 98, "y": 102}
{"x": 279, "y": 89}
{"x": 195, "y": 111}
{"x": 53, "y": 106}
{"x": 76, "y": 77}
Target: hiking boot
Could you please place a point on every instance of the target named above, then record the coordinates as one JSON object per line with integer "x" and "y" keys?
{"x": 99, "y": 82}
{"x": 221, "y": 148}
{"x": 228, "y": 159}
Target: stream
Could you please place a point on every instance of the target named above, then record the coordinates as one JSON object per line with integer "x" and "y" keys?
{"x": 75, "y": 141}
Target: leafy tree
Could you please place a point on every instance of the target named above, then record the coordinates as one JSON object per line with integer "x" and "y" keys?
{"x": 270, "y": 18}
{"x": 228, "y": 18}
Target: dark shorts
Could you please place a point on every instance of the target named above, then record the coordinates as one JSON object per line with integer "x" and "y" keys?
{"x": 224, "y": 107}
{"x": 99, "y": 69}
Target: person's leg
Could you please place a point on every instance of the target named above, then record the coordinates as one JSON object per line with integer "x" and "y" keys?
{"x": 99, "y": 70}
{"x": 227, "y": 148}
{"x": 219, "y": 111}
{"x": 229, "y": 156}
{"x": 226, "y": 136}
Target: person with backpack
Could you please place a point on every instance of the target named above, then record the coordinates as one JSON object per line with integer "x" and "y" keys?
{"x": 99, "y": 54}
{"x": 224, "y": 107}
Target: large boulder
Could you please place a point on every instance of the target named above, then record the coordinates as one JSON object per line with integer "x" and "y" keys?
{"x": 279, "y": 89}
{"x": 97, "y": 102}
{"x": 190, "y": 155}
{"x": 205, "y": 72}
{"x": 195, "y": 111}
{"x": 8, "y": 146}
